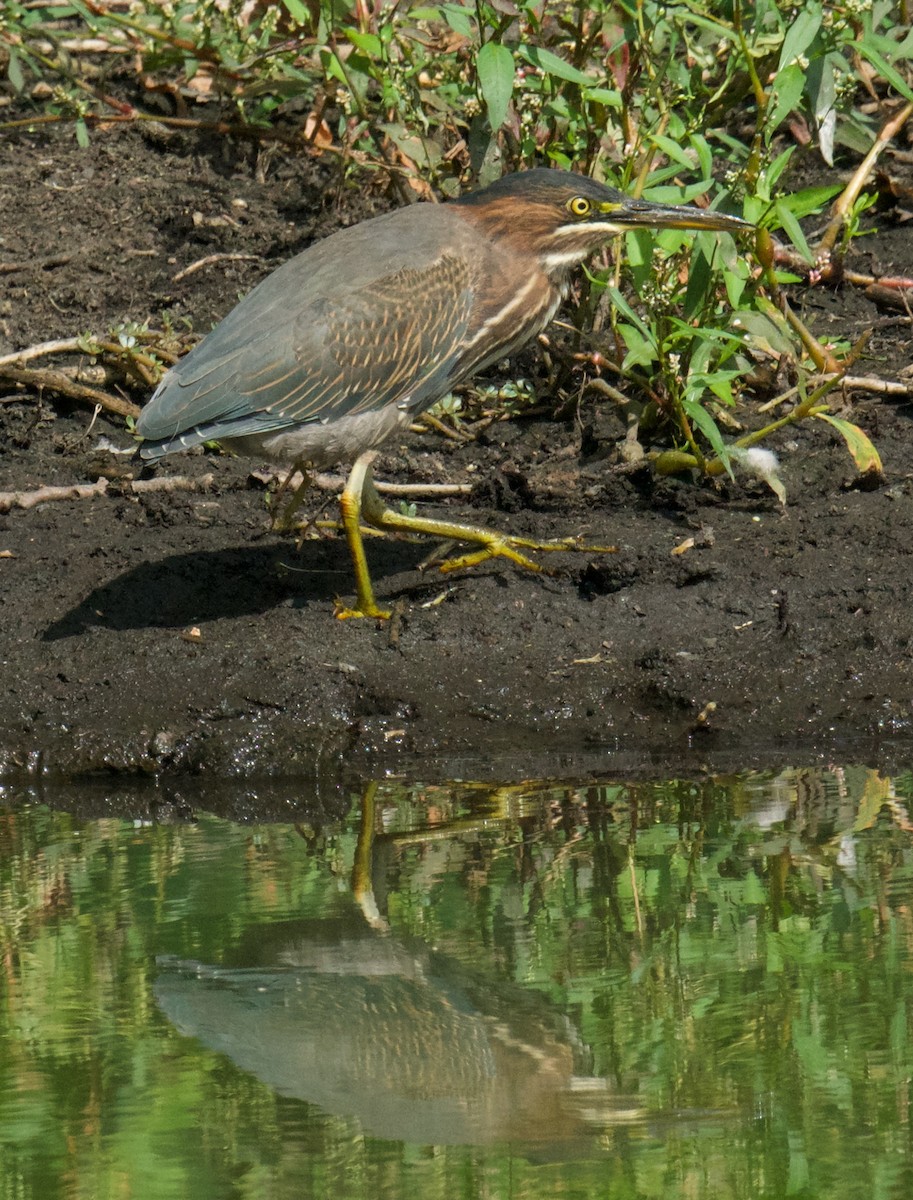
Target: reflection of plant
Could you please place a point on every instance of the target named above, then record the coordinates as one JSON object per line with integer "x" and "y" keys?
{"x": 735, "y": 953}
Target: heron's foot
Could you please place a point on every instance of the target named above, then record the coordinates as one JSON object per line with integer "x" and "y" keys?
{"x": 499, "y": 547}
{"x": 360, "y": 502}
{"x": 311, "y": 525}
{"x": 362, "y": 608}
{"x": 503, "y": 545}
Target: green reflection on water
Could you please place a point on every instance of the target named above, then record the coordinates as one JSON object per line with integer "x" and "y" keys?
{"x": 693, "y": 989}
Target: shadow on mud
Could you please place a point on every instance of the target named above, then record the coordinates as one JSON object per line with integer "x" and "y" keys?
{"x": 186, "y": 589}
{"x": 180, "y": 590}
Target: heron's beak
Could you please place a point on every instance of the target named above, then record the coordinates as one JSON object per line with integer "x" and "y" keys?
{"x": 643, "y": 214}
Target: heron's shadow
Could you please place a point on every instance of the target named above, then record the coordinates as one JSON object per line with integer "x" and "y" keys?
{"x": 208, "y": 585}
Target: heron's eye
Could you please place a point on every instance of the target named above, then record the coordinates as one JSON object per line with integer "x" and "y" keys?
{"x": 579, "y": 206}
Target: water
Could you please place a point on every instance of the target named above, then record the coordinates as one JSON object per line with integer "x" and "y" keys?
{"x": 676, "y": 989}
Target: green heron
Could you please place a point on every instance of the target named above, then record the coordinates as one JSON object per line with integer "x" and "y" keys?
{"x": 345, "y": 344}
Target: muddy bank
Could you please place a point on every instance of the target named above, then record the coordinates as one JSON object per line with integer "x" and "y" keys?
{"x": 173, "y": 634}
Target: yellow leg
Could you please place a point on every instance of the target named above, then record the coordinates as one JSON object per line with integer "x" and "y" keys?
{"x": 493, "y": 543}
{"x": 351, "y": 503}
{"x": 283, "y": 520}
{"x": 360, "y": 501}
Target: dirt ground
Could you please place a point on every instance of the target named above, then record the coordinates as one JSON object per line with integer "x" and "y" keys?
{"x": 793, "y": 622}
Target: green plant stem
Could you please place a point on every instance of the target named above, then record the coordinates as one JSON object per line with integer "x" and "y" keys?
{"x": 762, "y": 99}
{"x": 685, "y": 425}
{"x": 671, "y": 461}
{"x": 850, "y": 194}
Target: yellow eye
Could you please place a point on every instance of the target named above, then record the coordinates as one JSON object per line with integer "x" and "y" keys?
{"x": 579, "y": 206}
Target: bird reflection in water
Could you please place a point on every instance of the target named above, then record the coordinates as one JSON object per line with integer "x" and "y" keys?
{"x": 403, "y": 1040}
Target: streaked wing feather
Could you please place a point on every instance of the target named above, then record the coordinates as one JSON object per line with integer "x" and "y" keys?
{"x": 296, "y": 350}
{"x": 398, "y": 342}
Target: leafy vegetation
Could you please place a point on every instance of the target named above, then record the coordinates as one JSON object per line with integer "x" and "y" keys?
{"x": 682, "y": 101}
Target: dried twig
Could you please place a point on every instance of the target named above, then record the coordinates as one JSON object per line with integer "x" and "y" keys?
{"x": 41, "y": 264}
{"x": 427, "y": 421}
{"x": 898, "y": 282}
{"x": 847, "y": 198}
{"x": 848, "y": 383}
{"x": 96, "y": 347}
{"x": 256, "y": 133}
{"x": 881, "y": 387}
{"x": 62, "y": 346}
{"x": 209, "y": 260}
{"x": 56, "y": 381}
{"x": 89, "y": 491}
{"x": 424, "y": 490}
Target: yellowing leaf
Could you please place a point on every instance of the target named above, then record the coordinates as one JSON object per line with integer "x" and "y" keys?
{"x": 865, "y": 456}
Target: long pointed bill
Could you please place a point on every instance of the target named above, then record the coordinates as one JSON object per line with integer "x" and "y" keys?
{"x": 643, "y": 214}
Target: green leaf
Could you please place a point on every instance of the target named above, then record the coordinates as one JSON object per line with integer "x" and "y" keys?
{"x": 551, "y": 64}
{"x": 735, "y": 288}
{"x": 678, "y": 195}
{"x": 14, "y": 72}
{"x": 821, "y": 83}
{"x": 297, "y": 11}
{"x": 699, "y": 416}
{"x": 618, "y": 300}
{"x": 367, "y": 43}
{"x": 794, "y": 231}
{"x": 766, "y": 332}
{"x": 799, "y": 35}
{"x": 82, "y": 134}
{"x": 774, "y": 171}
{"x": 865, "y": 456}
{"x": 422, "y": 150}
{"x": 702, "y": 21}
{"x": 884, "y": 68}
{"x": 894, "y": 49}
{"x": 640, "y": 351}
{"x": 608, "y": 97}
{"x": 787, "y": 89}
{"x": 704, "y": 155}
{"x": 458, "y": 19}
{"x": 673, "y": 150}
{"x": 558, "y": 156}
{"x": 821, "y": 88}
{"x": 720, "y": 384}
{"x": 809, "y": 200}
{"x": 495, "y": 69}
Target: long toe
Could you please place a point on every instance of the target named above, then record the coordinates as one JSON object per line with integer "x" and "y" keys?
{"x": 498, "y": 547}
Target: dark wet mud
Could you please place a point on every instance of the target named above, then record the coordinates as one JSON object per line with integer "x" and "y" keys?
{"x": 175, "y": 634}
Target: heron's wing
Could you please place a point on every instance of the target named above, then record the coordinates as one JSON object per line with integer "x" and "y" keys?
{"x": 326, "y": 336}
{"x": 394, "y": 342}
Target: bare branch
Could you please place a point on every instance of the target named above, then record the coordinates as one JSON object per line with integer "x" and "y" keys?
{"x": 89, "y": 491}
{"x": 56, "y": 381}
{"x": 209, "y": 260}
